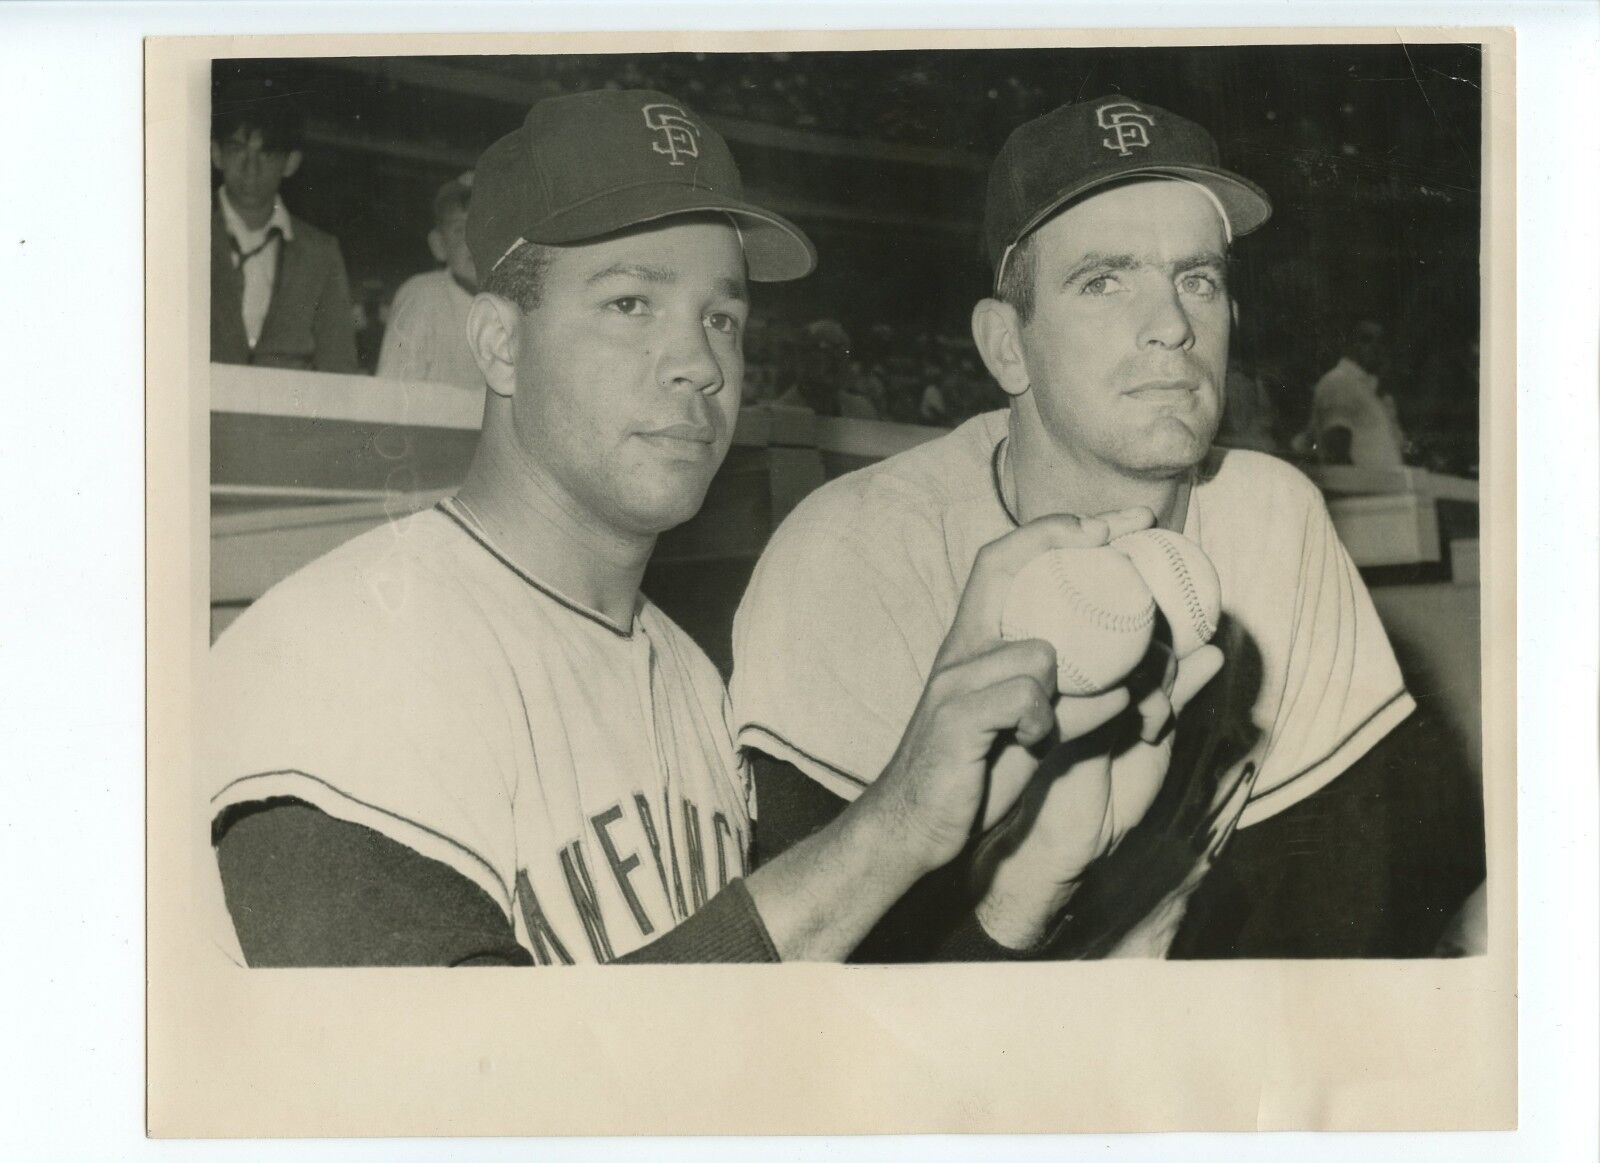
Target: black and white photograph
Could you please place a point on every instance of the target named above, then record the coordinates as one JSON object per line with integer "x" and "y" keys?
{"x": 889, "y": 505}
{"x": 1075, "y": 449}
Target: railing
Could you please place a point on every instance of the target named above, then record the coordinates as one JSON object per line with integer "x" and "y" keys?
{"x": 302, "y": 460}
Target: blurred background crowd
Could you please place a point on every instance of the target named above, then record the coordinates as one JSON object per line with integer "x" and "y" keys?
{"x": 1358, "y": 334}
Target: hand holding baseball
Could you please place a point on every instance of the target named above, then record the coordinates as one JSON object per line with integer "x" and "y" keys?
{"x": 1098, "y": 606}
{"x": 941, "y": 784}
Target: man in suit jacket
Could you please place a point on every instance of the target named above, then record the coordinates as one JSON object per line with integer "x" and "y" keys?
{"x": 279, "y": 294}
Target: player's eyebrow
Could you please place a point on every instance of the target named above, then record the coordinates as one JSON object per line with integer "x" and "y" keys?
{"x": 640, "y": 271}
{"x": 1204, "y": 258}
{"x": 1096, "y": 261}
{"x": 728, "y": 288}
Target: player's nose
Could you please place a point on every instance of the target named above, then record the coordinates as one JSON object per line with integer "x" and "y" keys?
{"x": 1166, "y": 323}
{"x": 689, "y": 361}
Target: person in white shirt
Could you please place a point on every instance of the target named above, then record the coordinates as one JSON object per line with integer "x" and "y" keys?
{"x": 1352, "y": 421}
{"x": 426, "y": 337}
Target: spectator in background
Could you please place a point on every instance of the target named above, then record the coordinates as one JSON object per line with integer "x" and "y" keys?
{"x": 822, "y": 375}
{"x": 1352, "y": 421}
{"x": 279, "y": 294}
{"x": 865, "y": 393}
{"x": 427, "y": 332}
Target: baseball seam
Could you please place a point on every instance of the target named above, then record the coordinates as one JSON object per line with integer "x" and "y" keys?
{"x": 1197, "y": 611}
{"x": 1097, "y": 614}
{"x": 1065, "y": 668}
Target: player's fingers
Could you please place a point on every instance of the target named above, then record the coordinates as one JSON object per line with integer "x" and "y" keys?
{"x": 1033, "y": 658}
{"x": 1121, "y": 522}
{"x": 1078, "y": 715}
{"x": 999, "y": 561}
{"x": 1009, "y": 706}
{"x": 1155, "y": 712}
{"x": 1018, "y": 704}
{"x": 1194, "y": 671}
{"x": 1169, "y": 666}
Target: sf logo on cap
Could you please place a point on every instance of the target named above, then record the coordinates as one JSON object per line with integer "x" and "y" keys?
{"x": 1126, "y": 122}
{"x": 679, "y": 137}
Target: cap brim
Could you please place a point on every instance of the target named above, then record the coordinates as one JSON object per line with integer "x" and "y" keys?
{"x": 775, "y": 249}
{"x": 1246, "y": 203}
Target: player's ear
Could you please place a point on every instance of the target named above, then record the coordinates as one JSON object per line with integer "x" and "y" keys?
{"x": 492, "y": 334}
{"x": 216, "y": 156}
{"x": 1233, "y": 306}
{"x": 292, "y": 163}
{"x": 997, "y": 332}
{"x": 436, "y": 245}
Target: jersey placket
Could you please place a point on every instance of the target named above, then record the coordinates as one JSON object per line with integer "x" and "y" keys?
{"x": 663, "y": 739}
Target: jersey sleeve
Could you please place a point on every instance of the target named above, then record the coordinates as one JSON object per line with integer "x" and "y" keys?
{"x": 831, "y": 647}
{"x": 358, "y": 701}
{"x": 1339, "y": 685}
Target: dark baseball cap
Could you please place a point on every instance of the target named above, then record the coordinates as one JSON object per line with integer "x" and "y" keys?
{"x": 587, "y": 165}
{"x": 1075, "y": 149}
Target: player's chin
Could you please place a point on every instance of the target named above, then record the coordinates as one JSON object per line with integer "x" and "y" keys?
{"x": 1172, "y": 445}
{"x": 665, "y": 504}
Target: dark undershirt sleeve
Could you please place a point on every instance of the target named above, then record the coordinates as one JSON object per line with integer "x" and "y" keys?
{"x": 306, "y": 889}
{"x": 932, "y": 922}
{"x": 726, "y": 929}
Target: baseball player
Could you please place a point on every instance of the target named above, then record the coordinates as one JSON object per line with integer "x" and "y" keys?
{"x": 1108, "y": 225}
{"x": 466, "y": 738}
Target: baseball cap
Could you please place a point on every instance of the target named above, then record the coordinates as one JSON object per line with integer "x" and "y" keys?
{"x": 589, "y": 164}
{"x": 1071, "y": 151}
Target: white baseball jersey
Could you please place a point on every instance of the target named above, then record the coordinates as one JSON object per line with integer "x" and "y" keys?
{"x": 415, "y": 682}
{"x": 856, "y": 591}
{"x": 426, "y": 336}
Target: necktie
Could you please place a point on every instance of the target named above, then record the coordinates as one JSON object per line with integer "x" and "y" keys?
{"x": 240, "y": 256}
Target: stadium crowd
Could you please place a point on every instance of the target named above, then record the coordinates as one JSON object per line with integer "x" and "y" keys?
{"x": 908, "y": 101}
{"x": 1338, "y": 390}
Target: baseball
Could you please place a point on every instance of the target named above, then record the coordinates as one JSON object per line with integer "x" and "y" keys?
{"x": 1092, "y": 606}
{"x": 1183, "y": 582}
